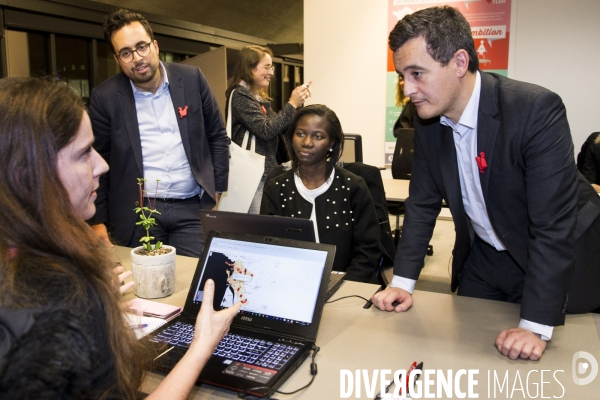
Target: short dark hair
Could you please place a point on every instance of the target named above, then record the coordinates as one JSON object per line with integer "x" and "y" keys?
{"x": 121, "y": 17}
{"x": 333, "y": 128}
{"x": 444, "y": 29}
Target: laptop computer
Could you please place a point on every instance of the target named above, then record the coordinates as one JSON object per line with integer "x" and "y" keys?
{"x": 268, "y": 225}
{"x": 282, "y": 285}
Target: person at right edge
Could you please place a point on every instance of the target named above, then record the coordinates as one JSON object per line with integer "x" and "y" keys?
{"x": 499, "y": 153}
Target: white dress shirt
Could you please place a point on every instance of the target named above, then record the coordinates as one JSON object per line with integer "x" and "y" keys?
{"x": 311, "y": 194}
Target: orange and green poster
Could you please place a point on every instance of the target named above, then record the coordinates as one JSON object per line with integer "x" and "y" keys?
{"x": 490, "y": 26}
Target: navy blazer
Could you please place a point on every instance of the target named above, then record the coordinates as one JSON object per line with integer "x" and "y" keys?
{"x": 529, "y": 187}
{"x": 117, "y": 139}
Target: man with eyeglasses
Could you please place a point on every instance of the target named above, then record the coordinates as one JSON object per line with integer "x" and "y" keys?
{"x": 159, "y": 121}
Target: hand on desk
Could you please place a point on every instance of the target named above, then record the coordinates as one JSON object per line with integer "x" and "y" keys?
{"x": 520, "y": 343}
{"x": 122, "y": 275}
{"x": 385, "y": 299}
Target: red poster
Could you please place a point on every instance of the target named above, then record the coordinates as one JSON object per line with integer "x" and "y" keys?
{"x": 490, "y": 26}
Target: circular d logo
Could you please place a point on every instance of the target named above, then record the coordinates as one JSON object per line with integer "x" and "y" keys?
{"x": 580, "y": 367}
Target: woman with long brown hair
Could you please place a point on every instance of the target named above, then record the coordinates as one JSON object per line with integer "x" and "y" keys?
{"x": 251, "y": 108}
{"x": 50, "y": 257}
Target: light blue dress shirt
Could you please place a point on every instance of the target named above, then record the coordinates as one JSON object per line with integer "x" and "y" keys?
{"x": 163, "y": 155}
{"x": 465, "y": 141}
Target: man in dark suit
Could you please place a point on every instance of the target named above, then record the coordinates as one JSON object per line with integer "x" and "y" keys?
{"x": 499, "y": 153}
{"x": 159, "y": 121}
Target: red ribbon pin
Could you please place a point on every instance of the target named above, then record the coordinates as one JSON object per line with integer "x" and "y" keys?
{"x": 182, "y": 111}
{"x": 264, "y": 110}
{"x": 481, "y": 163}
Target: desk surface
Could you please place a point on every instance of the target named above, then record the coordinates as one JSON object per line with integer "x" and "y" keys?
{"x": 397, "y": 190}
{"x": 444, "y": 331}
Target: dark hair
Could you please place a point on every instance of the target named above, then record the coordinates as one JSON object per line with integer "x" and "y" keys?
{"x": 48, "y": 254}
{"x": 246, "y": 62}
{"x": 121, "y": 17}
{"x": 444, "y": 29}
{"x": 333, "y": 128}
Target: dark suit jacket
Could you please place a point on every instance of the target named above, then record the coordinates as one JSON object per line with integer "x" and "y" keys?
{"x": 117, "y": 139}
{"x": 529, "y": 186}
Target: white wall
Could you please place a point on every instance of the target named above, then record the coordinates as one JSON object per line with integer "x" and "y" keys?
{"x": 555, "y": 44}
{"x": 558, "y": 47}
{"x": 345, "y": 50}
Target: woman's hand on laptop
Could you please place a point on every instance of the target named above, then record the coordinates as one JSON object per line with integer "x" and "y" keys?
{"x": 211, "y": 325}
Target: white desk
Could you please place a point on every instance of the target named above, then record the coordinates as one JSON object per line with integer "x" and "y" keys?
{"x": 443, "y": 331}
{"x": 397, "y": 190}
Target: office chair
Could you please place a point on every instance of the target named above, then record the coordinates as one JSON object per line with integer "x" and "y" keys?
{"x": 372, "y": 177}
{"x": 401, "y": 167}
{"x": 403, "y": 153}
{"x": 352, "y": 148}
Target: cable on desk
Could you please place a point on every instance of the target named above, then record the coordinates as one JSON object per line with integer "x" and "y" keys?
{"x": 313, "y": 371}
{"x": 346, "y": 297}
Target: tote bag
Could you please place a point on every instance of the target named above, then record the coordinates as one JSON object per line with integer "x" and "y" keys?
{"x": 246, "y": 168}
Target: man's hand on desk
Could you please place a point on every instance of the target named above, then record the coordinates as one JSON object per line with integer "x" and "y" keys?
{"x": 102, "y": 232}
{"x": 385, "y": 299}
{"x": 520, "y": 343}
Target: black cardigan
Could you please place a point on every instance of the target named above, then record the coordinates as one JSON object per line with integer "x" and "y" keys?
{"x": 248, "y": 113}
{"x": 346, "y": 218}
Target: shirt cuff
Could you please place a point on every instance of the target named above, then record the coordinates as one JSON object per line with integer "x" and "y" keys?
{"x": 545, "y": 331}
{"x": 403, "y": 283}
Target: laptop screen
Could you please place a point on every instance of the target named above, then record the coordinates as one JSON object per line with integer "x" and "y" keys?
{"x": 280, "y": 282}
{"x": 271, "y": 281}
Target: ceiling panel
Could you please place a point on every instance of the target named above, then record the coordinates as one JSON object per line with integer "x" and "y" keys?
{"x": 278, "y": 21}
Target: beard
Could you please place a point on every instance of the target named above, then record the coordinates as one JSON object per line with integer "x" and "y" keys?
{"x": 145, "y": 77}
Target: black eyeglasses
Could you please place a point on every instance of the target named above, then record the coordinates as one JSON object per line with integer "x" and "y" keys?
{"x": 142, "y": 49}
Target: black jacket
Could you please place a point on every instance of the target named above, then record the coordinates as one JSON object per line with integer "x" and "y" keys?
{"x": 346, "y": 218}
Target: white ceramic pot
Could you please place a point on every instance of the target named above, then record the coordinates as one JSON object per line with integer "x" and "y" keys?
{"x": 154, "y": 276}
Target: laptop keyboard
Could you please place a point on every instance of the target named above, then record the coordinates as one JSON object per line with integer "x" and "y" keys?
{"x": 233, "y": 346}
{"x": 178, "y": 334}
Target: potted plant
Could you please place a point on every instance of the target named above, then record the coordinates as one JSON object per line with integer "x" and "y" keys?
{"x": 152, "y": 264}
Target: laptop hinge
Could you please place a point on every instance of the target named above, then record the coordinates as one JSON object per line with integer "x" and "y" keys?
{"x": 273, "y": 333}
